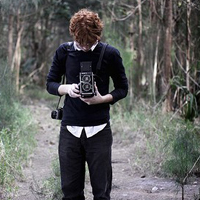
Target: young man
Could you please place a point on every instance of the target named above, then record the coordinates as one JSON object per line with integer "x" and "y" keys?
{"x": 85, "y": 134}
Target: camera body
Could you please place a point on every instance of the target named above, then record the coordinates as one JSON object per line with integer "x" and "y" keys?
{"x": 57, "y": 114}
{"x": 86, "y": 78}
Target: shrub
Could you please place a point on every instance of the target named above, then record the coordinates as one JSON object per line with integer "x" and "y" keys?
{"x": 52, "y": 187}
{"x": 7, "y": 96}
{"x": 159, "y": 143}
{"x": 184, "y": 151}
{"x": 16, "y": 133}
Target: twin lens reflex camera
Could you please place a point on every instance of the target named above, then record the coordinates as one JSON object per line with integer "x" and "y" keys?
{"x": 86, "y": 87}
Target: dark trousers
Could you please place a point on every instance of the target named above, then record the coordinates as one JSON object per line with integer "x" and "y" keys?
{"x": 74, "y": 152}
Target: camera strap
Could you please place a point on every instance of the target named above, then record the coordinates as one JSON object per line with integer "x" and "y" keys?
{"x": 63, "y": 77}
{"x": 63, "y": 81}
{"x": 97, "y": 68}
{"x": 100, "y": 58}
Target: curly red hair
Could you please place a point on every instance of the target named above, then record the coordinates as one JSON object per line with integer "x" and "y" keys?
{"x": 86, "y": 27}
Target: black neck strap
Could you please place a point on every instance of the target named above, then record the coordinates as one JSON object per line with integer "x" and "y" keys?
{"x": 101, "y": 57}
{"x": 97, "y": 68}
{"x": 63, "y": 81}
{"x": 69, "y": 46}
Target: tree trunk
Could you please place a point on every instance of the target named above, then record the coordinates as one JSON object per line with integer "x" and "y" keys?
{"x": 131, "y": 36}
{"x": 167, "y": 54}
{"x": 10, "y": 39}
{"x": 155, "y": 67}
{"x": 140, "y": 56}
{"x": 140, "y": 52}
{"x": 188, "y": 44}
{"x": 15, "y": 67}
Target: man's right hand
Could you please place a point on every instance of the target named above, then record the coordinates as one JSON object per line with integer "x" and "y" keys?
{"x": 71, "y": 89}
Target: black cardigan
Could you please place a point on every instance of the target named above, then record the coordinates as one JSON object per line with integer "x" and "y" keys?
{"x": 67, "y": 61}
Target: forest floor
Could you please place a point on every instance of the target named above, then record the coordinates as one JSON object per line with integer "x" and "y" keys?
{"x": 127, "y": 184}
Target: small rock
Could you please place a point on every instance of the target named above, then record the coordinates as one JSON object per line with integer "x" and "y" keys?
{"x": 154, "y": 189}
{"x": 52, "y": 143}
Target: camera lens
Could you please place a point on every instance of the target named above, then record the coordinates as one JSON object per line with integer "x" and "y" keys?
{"x": 86, "y": 78}
{"x": 86, "y": 87}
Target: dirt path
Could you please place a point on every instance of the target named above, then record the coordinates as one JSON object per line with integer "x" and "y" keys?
{"x": 126, "y": 185}
{"x": 40, "y": 162}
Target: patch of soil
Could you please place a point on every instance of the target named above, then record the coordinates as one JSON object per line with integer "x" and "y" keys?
{"x": 39, "y": 166}
{"x": 127, "y": 185}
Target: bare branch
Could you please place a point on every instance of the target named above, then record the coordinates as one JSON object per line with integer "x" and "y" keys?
{"x": 31, "y": 75}
{"x": 186, "y": 72}
{"x": 129, "y": 13}
{"x": 184, "y": 180}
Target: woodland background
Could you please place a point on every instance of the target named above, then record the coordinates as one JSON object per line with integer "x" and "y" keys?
{"x": 159, "y": 41}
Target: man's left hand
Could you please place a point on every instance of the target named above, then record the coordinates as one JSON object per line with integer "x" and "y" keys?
{"x": 96, "y": 99}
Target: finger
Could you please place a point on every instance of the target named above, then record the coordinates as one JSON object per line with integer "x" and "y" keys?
{"x": 78, "y": 86}
{"x": 75, "y": 88}
{"x": 86, "y": 100}
{"x": 73, "y": 94}
{"x": 76, "y": 91}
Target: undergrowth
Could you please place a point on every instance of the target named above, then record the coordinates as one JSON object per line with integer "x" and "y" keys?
{"x": 16, "y": 135}
{"x": 38, "y": 93}
{"x": 52, "y": 186}
{"x": 162, "y": 144}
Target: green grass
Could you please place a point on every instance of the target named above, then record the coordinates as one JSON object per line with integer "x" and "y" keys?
{"x": 161, "y": 144}
{"x": 16, "y": 143}
{"x": 51, "y": 187}
{"x": 17, "y": 131}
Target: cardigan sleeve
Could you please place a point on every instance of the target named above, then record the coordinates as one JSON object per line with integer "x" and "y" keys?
{"x": 117, "y": 73}
{"x": 57, "y": 70}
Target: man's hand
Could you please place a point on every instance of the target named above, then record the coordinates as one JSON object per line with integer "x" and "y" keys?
{"x": 71, "y": 89}
{"x": 98, "y": 98}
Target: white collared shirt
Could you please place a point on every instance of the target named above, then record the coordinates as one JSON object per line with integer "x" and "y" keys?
{"x": 89, "y": 130}
{"x": 76, "y": 46}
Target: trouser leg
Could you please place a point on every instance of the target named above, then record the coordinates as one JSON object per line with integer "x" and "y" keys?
{"x": 72, "y": 166}
{"x": 98, "y": 157}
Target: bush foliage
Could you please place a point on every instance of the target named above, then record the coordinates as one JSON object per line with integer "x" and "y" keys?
{"x": 16, "y": 133}
{"x": 165, "y": 145}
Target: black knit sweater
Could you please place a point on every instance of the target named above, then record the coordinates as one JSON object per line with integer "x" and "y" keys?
{"x": 67, "y": 61}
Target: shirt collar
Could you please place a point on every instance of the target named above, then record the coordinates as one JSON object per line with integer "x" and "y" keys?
{"x": 79, "y": 49}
